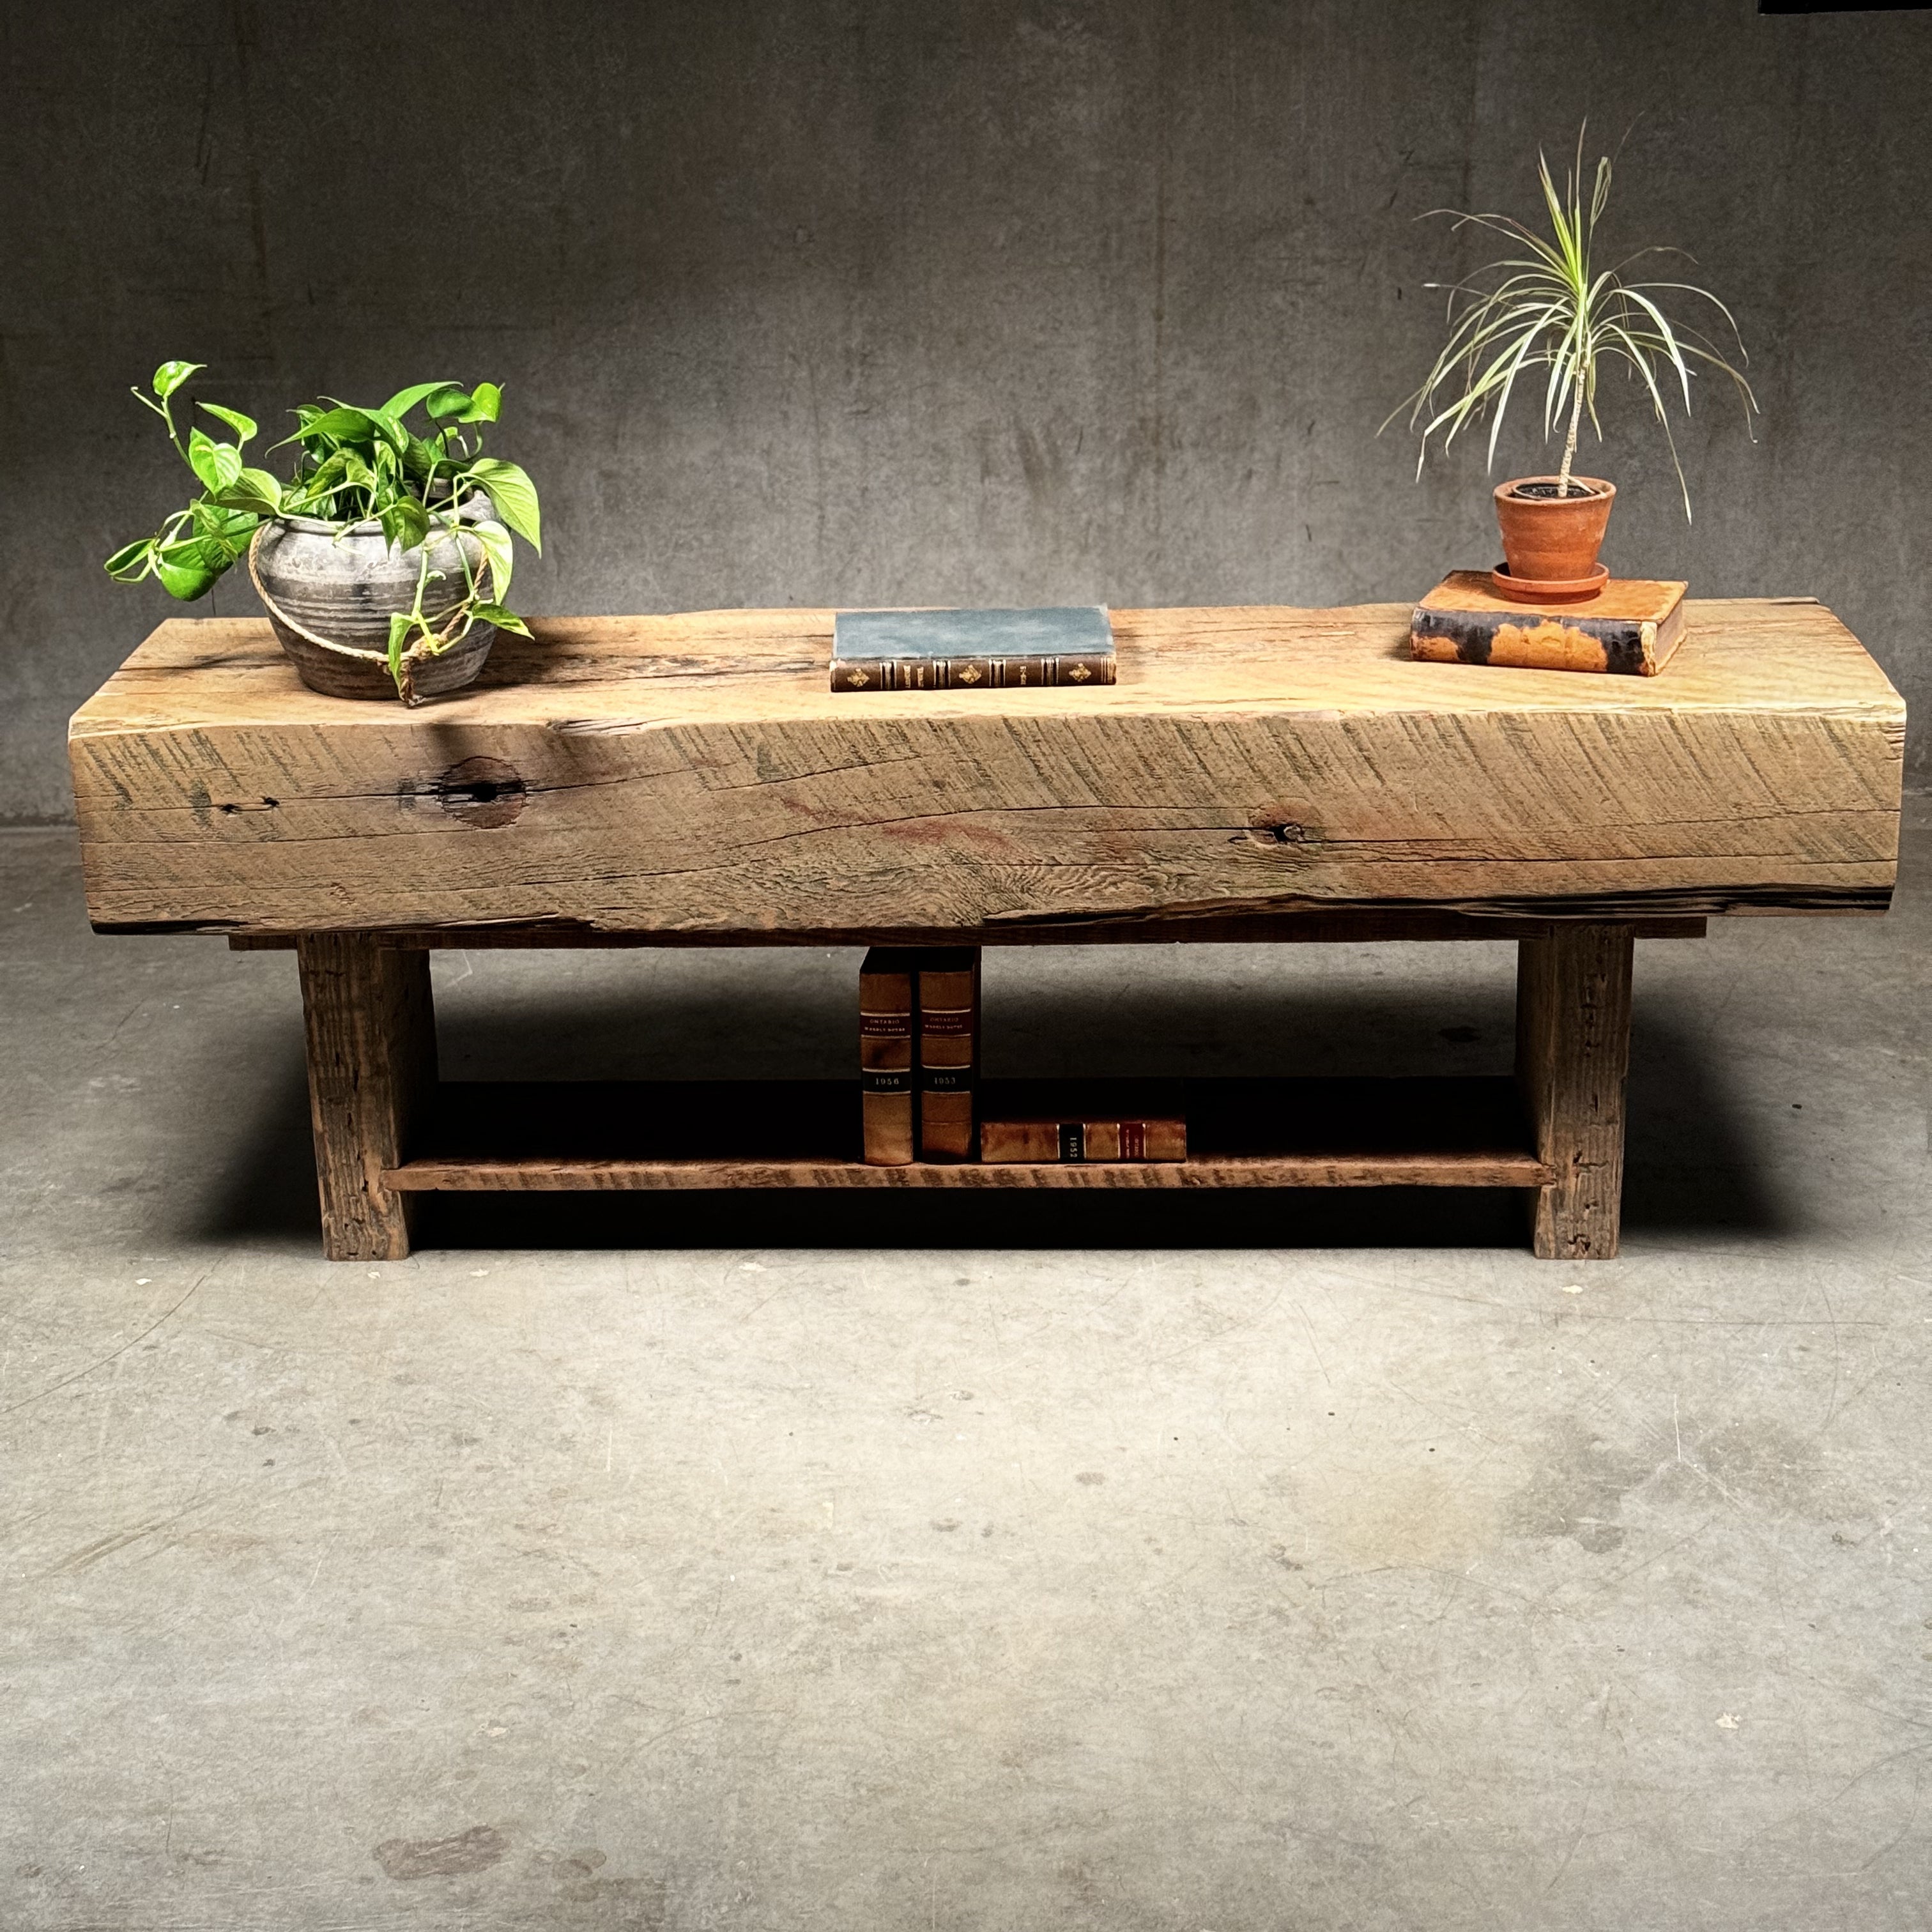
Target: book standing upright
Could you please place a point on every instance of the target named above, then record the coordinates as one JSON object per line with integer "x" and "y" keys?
{"x": 888, "y": 1001}
{"x": 949, "y": 1053}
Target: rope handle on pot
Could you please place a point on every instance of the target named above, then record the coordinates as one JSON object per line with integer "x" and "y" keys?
{"x": 409, "y": 658}
{"x": 281, "y": 616}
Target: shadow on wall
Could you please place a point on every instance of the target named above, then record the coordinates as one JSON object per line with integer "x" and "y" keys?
{"x": 1691, "y": 1167}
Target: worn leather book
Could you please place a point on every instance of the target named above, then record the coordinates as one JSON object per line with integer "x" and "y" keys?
{"x": 971, "y": 650}
{"x": 948, "y": 1052}
{"x": 1630, "y": 626}
{"x": 888, "y": 1001}
{"x": 1053, "y": 1120}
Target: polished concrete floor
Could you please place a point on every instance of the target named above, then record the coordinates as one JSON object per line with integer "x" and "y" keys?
{"x": 1297, "y": 1562}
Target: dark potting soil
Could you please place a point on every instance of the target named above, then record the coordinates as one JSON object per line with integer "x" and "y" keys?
{"x": 1546, "y": 492}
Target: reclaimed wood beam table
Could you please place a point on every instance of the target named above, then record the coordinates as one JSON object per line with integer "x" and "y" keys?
{"x": 1257, "y": 774}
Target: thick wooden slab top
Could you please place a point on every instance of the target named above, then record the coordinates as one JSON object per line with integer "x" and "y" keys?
{"x": 694, "y": 774}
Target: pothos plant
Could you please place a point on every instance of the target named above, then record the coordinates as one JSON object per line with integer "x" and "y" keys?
{"x": 351, "y": 465}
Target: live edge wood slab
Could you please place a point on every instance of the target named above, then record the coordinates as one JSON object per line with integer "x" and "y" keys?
{"x": 1256, "y": 773}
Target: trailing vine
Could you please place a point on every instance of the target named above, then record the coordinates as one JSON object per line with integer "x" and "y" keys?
{"x": 351, "y": 466}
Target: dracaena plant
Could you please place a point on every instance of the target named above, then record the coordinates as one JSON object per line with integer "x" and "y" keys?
{"x": 1551, "y": 307}
{"x": 351, "y": 465}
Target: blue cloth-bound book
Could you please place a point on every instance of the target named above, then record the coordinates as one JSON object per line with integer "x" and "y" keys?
{"x": 971, "y": 650}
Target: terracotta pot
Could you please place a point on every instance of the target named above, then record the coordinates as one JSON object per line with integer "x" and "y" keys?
{"x": 1547, "y": 537}
{"x": 320, "y": 579}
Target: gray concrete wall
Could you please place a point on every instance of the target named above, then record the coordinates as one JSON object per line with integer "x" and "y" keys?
{"x": 820, "y": 303}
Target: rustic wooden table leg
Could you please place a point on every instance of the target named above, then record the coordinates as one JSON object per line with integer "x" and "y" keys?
{"x": 1572, "y": 1016}
{"x": 371, "y": 1067}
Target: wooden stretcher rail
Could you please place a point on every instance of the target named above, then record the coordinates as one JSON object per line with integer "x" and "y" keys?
{"x": 518, "y": 1138}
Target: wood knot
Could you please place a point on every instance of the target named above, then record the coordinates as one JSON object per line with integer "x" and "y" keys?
{"x": 1271, "y": 826}
{"x": 481, "y": 791}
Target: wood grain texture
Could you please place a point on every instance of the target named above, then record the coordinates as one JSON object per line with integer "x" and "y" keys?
{"x": 692, "y": 774}
{"x": 539, "y": 1137}
{"x": 1349, "y": 927}
{"x": 1573, "y": 1021}
{"x": 371, "y": 1032}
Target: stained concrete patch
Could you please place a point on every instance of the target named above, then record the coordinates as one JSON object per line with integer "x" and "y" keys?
{"x": 1583, "y": 1478}
{"x": 632, "y": 1904}
{"x": 474, "y": 1850}
{"x": 1578, "y": 1487}
{"x": 1406, "y": 1518}
{"x": 1763, "y": 1462}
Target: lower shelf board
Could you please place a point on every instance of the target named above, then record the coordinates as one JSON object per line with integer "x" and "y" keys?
{"x": 564, "y": 1135}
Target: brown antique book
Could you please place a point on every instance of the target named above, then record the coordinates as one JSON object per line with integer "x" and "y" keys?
{"x": 1632, "y": 625}
{"x": 949, "y": 1052}
{"x": 971, "y": 650}
{"x": 888, "y": 989}
{"x": 1056, "y": 1122}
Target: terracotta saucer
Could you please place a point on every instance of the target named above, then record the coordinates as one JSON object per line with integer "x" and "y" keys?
{"x": 1528, "y": 589}
{"x": 1535, "y": 590}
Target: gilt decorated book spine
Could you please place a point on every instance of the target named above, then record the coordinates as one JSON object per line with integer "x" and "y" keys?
{"x": 949, "y": 1053}
{"x": 1003, "y": 1142}
{"x": 888, "y": 1000}
{"x": 970, "y": 673}
{"x": 972, "y": 650}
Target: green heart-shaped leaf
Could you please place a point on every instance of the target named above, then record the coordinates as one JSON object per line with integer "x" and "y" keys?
{"x": 514, "y": 496}
{"x": 170, "y": 376}
{"x": 389, "y": 429}
{"x": 217, "y": 464}
{"x": 504, "y": 620}
{"x": 122, "y": 564}
{"x": 405, "y": 524}
{"x": 485, "y": 400}
{"x": 399, "y": 631}
{"x": 501, "y": 552}
{"x": 403, "y": 400}
{"x": 253, "y": 490}
{"x": 341, "y": 424}
{"x": 243, "y": 426}
{"x": 186, "y": 571}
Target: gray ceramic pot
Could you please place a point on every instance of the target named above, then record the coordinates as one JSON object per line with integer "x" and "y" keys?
{"x": 345, "y": 585}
